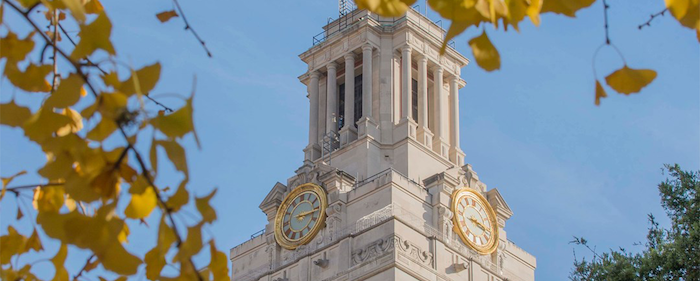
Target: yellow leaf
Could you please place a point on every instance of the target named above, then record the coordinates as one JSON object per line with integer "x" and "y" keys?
{"x": 111, "y": 79}
{"x": 155, "y": 258}
{"x": 11, "y": 244}
{"x": 141, "y": 81}
{"x": 44, "y": 123}
{"x": 106, "y": 183}
{"x": 485, "y": 53}
{"x": 49, "y": 198}
{"x": 533, "y": 11}
{"x": 177, "y": 124}
{"x": 74, "y": 126}
{"x": 58, "y": 167}
{"x": 79, "y": 188}
{"x": 7, "y": 180}
{"x": 115, "y": 258}
{"x": 517, "y": 9}
{"x": 14, "y": 49}
{"x": 208, "y": 213}
{"x": 166, "y": 16}
{"x": 678, "y": 8}
{"x": 34, "y": 242}
{"x": 192, "y": 244}
{"x": 565, "y": 7}
{"x": 141, "y": 205}
{"x": 19, "y": 214}
{"x": 453, "y": 9}
{"x": 687, "y": 12}
{"x": 32, "y": 79}
{"x": 139, "y": 186}
{"x": 386, "y": 8}
{"x": 180, "y": 198}
{"x": 176, "y": 154}
{"x": 13, "y": 115}
{"x": 103, "y": 130}
{"x": 93, "y": 7}
{"x": 58, "y": 263}
{"x": 76, "y": 8}
{"x": 628, "y": 81}
{"x": 218, "y": 264}
{"x": 67, "y": 93}
{"x": 124, "y": 234}
{"x": 599, "y": 92}
{"x": 94, "y": 36}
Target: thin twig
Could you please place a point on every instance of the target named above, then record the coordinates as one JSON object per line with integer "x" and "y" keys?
{"x": 17, "y": 189}
{"x": 605, "y": 11}
{"x": 651, "y": 18}
{"x": 168, "y": 109}
{"x": 87, "y": 263}
{"x": 90, "y": 63}
{"x": 189, "y": 27}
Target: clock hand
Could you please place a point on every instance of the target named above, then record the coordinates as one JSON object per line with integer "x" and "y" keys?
{"x": 480, "y": 225}
{"x": 302, "y": 215}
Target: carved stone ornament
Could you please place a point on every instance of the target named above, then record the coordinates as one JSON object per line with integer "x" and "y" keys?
{"x": 445, "y": 220}
{"x": 388, "y": 244}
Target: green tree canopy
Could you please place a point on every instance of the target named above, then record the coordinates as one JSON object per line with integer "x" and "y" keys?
{"x": 668, "y": 254}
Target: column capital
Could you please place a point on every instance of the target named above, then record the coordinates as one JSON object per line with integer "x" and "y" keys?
{"x": 406, "y": 48}
{"x": 331, "y": 65}
{"x": 349, "y": 56}
{"x": 453, "y": 78}
{"x": 367, "y": 47}
{"x": 437, "y": 68}
{"x": 314, "y": 74}
{"x": 422, "y": 58}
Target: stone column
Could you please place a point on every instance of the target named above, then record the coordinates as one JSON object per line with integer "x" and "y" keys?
{"x": 348, "y": 132}
{"x": 456, "y": 154}
{"x": 406, "y": 83}
{"x": 331, "y": 99}
{"x": 439, "y": 140}
{"x": 367, "y": 125}
{"x": 312, "y": 151}
{"x": 424, "y": 134}
{"x": 367, "y": 81}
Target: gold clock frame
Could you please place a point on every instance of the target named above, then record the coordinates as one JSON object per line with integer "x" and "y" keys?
{"x": 321, "y": 193}
{"x": 493, "y": 244}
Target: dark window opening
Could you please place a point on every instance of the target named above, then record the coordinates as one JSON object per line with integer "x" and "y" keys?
{"x": 414, "y": 99}
{"x": 341, "y": 106}
{"x": 358, "y": 99}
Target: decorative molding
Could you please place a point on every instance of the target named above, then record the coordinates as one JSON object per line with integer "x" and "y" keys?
{"x": 445, "y": 222}
{"x": 389, "y": 244}
{"x": 375, "y": 249}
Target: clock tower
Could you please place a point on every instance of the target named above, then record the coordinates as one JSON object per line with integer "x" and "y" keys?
{"x": 383, "y": 192}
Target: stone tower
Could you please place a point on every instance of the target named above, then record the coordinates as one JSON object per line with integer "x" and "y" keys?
{"x": 384, "y": 146}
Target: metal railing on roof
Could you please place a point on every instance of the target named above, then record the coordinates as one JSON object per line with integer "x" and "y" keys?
{"x": 348, "y": 20}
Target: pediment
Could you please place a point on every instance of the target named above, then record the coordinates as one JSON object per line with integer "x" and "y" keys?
{"x": 274, "y": 198}
{"x": 499, "y": 204}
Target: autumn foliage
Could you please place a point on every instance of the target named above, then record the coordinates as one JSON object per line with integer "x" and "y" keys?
{"x": 79, "y": 202}
{"x": 91, "y": 192}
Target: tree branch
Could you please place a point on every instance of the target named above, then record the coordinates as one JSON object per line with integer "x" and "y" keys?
{"x": 130, "y": 146}
{"x": 651, "y": 18}
{"x": 188, "y": 27}
{"x": 605, "y": 12}
{"x": 87, "y": 263}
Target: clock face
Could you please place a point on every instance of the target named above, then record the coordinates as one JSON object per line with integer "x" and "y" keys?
{"x": 300, "y": 216}
{"x": 475, "y": 220}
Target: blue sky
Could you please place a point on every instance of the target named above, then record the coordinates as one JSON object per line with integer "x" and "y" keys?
{"x": 565, "y": 166}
